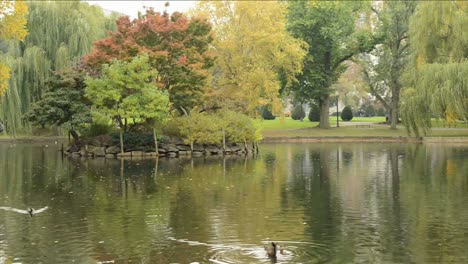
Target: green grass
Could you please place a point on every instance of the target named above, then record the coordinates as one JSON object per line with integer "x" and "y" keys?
{"x": 289, "y": 128}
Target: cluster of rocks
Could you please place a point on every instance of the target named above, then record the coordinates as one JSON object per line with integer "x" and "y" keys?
{"x": 164, "y": 150}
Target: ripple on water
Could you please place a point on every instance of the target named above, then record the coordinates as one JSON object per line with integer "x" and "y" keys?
{"x": 250, "y": 253}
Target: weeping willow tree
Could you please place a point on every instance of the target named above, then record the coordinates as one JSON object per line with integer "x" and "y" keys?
{"x": 437, "y": 78}
{"x": 60, "y": 33}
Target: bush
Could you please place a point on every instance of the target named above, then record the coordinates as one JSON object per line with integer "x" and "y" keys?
{"x": 370, "y": 111}
{"x": 133, "y": 141}
{"x": 347, "y": 114}
{"x": 266, "y": 114}
{"x": 314, "y": 113}
{"x": 298, "y": 113}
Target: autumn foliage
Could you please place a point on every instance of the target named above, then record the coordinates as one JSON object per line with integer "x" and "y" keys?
{"x": 176, "y": 45}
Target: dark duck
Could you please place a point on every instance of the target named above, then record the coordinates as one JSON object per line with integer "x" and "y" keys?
{"x": 271, "y": 250}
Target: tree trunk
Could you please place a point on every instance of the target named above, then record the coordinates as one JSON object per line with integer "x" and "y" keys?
{"x": 224, "y": 141}
{"x": 75, "y": 136}
{"x": 324, "y": 114}
{"x": 121, "y": 143}
{"x": 155, "y": 136}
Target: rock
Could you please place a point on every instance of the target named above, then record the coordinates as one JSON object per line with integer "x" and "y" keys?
{"x": 161, "y": 150}
{"x": 110, "y": 156}
{"x": 199, "y": 148}
{"x": 197, "y": 153}
{"x": 171, "y": 154}
{"x": 113, "y": 150}
{"x": 138, "y": 153}
{"x": 184, "y": 153}
{"x": 183, "y": 147}
{"x": 170, "y": 148}
{"x": 212, "y": 149}
{"x": 99, "y": 151}
{"x": 152, "y": 154}
{"x": 125, "y": 154}
{"x": 75, "y": 154}
{"x": 235, "y": 148}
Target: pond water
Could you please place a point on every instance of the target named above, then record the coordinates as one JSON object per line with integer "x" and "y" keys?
{"x": 322, "y": 203}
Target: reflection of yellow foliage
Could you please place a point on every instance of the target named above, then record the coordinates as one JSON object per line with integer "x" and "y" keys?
{"x": 451, "y": 168}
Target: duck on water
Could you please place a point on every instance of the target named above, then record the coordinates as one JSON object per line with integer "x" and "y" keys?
{"x": 30, "y": 211}
{"x": 271, "y": 250}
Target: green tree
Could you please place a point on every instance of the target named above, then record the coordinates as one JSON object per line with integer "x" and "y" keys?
{"x": 59, "y": 33}
{"x": 63, "y": 104}
{"x": 127, "y": 90}
{"x": 383, "y": 68}
{"x": 252, "y": 48}
{"x": 334, "y": 34}
{"x": 437, "y": 75}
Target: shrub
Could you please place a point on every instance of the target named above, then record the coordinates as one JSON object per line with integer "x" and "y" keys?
{"x": 370, "y": 111}
{"x": 266, "y": 113}
{"x": 133, "y": 141}
{"x": 347, "y": 114}
{"x": 314, "y": 113}
{"x": 298, "y": 113}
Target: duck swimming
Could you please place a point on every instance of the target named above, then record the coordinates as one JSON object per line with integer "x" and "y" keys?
{"x": 271, "y": 251}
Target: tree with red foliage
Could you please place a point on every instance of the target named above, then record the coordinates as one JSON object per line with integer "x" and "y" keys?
{"x": 176, "y": 45}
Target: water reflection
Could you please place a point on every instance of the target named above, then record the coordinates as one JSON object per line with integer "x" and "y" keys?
{"x": 322, "y": 202}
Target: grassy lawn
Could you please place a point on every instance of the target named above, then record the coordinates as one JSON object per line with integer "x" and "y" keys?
{"x": 287, "y": 123}
{"x": 294, "y": 128}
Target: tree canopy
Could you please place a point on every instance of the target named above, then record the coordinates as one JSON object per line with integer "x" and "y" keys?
{"x": 128, "y": 90}
{"x": 59, "y": 33}
{"x": 12, "y": 26}
{"x": 437, "y": 75}
{"x": 177, "y": 48}
{"x": 63, "y": 103}
{"x": 252, "y": 48}
{"x": 335, "y": 32}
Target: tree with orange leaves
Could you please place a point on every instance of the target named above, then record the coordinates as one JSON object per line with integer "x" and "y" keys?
{"x": 176, "y": 45}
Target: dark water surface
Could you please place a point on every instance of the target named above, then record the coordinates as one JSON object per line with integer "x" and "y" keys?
{"x": 323, "y": 203}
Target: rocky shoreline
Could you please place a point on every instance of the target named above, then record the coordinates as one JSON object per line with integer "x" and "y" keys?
{"x": 171, "y": 150}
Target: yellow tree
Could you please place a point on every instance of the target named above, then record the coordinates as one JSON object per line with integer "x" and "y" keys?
{"x": 12, "y": 26}
{"x": 255, "y": 54}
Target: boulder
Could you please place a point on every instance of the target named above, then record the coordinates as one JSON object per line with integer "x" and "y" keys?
{"x": 110, "y": 156}
{"x": 183, "y": 147}
{"x": 169, "y": 147}
{"x": 113, "y": 150}
{"x": 197, "y": 153}
{"x": 151, "y": 154}
{"x": 125, "y": 154}
{"x": 199, "y": 148}
{"x": 138, "y": 153}
{"x": 184, "y": 153}
{"x": 99, "y": 151}
{"x": 212, "y": 149}
{"x": 171, "y": 154}
{"x": 161, "y": 150}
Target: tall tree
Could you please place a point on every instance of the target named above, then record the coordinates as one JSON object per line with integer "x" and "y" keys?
{"x": 383, "y": 68}
{"x": 437, "y": 75}
{"x": 59, "y": 33}
{"x": 12, "y": 26}
{"x": 253, "y": 48}
{"x": 335, "y": 33}
{"x": 63, "y": 103}
{"x": 127, "y": 90}
{"x": 176, "y": 45}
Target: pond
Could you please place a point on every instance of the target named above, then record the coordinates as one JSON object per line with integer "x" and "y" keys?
{"x": 322, "y": 203}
